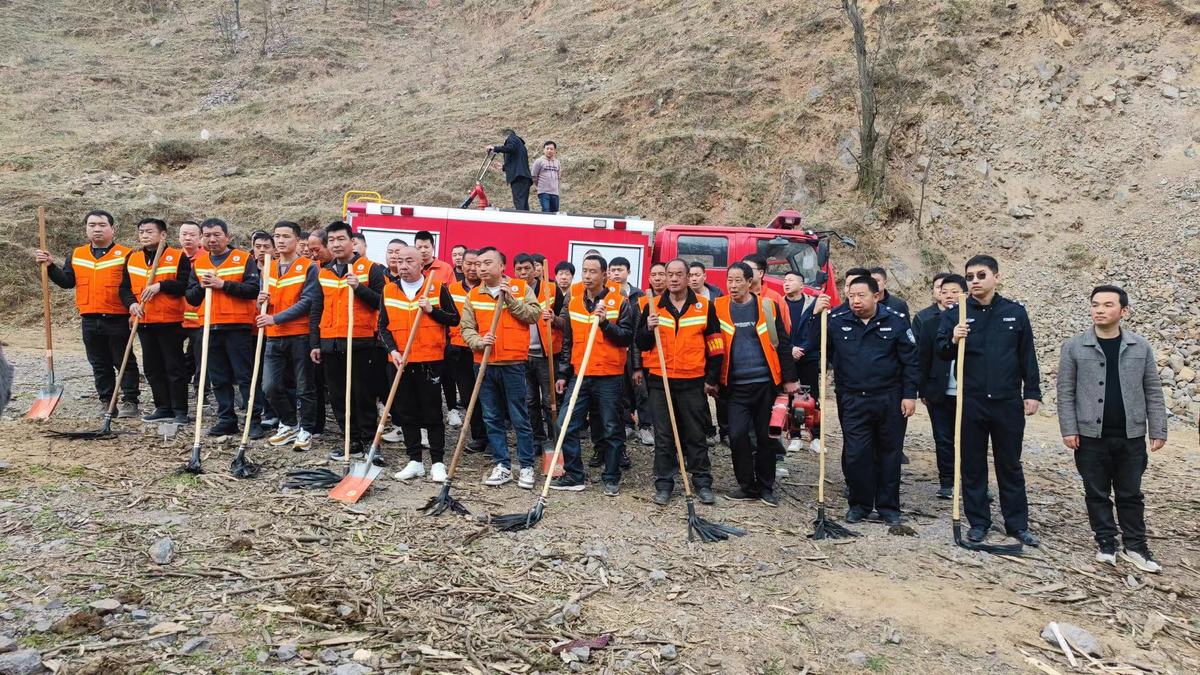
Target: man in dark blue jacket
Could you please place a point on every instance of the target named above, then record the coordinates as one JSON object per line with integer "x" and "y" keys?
{"x": 1000, "y": 387}
{"x": 799, "y": 306}
{"x": 874, "y": 357}
{"x": 516, "y": 168}
{"x": 937, "y": 376}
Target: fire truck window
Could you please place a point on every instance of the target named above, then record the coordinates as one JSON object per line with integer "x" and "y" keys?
{"x": 777, "y": 260}
{"x": 712, "y": 251}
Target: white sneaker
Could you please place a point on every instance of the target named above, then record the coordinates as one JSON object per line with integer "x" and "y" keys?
{"x": 815, "y": 446}
{"x": 392, "y": 436}
{"x": 1143, "y": 561}
{"x": 302, "y": 440}
{"x": 437, "y": 473}
{"x": 283, "y": 435}
{"x": 525, "y": 481}
{"x": 500, "y": 475}
{"x": 424, "y": 438}
{"x": 454, "y": 418}
{"x": 781, "y": 471}
{"x": 1107, "y": 557}
{"x": 413, "y": 469}
{"x": 795, "y": 445}
{"x": 646, "y": 437}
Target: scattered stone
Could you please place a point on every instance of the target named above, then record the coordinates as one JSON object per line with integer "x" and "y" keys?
{"x": 328, "y": 655}
{"x": 163, "y": 551}
{"x": 1021, "y": 212}
{"x": 167, "y": 628}
{"x": 983, "y": 168}
{"x": 857, "y": 659}
{"x": 194, "y": 644}
{"x": 658, "y": 575}
{"x": 42, "y": 625}
{"x": 7, "y": 644}
{"x": 286, "y": 651}
{"x": 105, "y": 606}
{"x": 21, "y": 662}
{"x": 571, "y": 611}
{"x": 351, "y": 669}
{"x": 157, "y": 42}
{"x": 261, "y": 656}
{"x": 344, "y": 610}
{"x": 1189, "y": 152}
{"x": 1186, "y": 375}
{"x": 668, "y": 652}
{"x": 362, "y": 655}
{"x": 231, "y": 171}
{"x": 139, "y": 615}
{"x": 1169, "y": 74}
{"x": 1170, "y": 92}
{"x": 1077, "y": 636}
{"x": 582, "y": 653}
{"x": 597, "y": 550}
{"x": 1176, "y": 362}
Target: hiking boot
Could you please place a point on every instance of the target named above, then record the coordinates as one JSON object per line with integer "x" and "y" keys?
{"x": 945, "y": 493}
{"x": 769, "y": 498}
{"x": 301, "y": 441}
{"x": 1141, "y": 559}
{"x": 437, "y": 472}
{"x": 612, "y": 489}
{"x": 1026, "y": 537}
{"x": 646, "y": 437}
{"x": 977, "y": 534}
{"x": 525, "y": 478}
{"x": 473, "y": 447}
{"x": 500, "y": 475}
{"x": 413, "y": 469}
{"x": 567, "y": 484}
{"x": 856, "y": 514}
{"x": 661, "y": 496}
{"x": 159, "y": 415}
{"x": 706, "y": 496}
{"x": 1106, "y": 553}
{"x": 256, "y": 431}
{"x": 740, "y": 495}
{"x": 128, "y": 409}
{"x": 596, "y": 461}
{"x": 283, "y": 435}
{"x": 454, "y": 418}
{"x": 393, "y": 435}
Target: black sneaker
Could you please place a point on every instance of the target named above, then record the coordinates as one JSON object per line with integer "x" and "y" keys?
{"x": 1026, "y": 537}
{"x": 256, "y": 432}
{"x": 890, "y": 518}
{"x": 661, "y": 497}
{"x": 182, "y": 419}
{"x": 769, "y": 498}
{"x": 945, "y": 493}
{"x": 567, "y": 484}
{"x": 223, "y": 429}
{"x": 740, "y": 495}
{"x": 706, "y": 496}
{"x": 625, "y": 462}
{"x": 159, "y": 415}
{"x": 855, "y": 514}
{"x": 378, "y": 460}
{"x": 612, "y": 489}
{"x": 976, "y": 534}
{"x": 476, "y": 447}
{"x": 596, "y": 461}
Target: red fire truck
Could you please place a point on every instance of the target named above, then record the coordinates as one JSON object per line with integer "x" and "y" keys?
{"x": 562, "y": 236}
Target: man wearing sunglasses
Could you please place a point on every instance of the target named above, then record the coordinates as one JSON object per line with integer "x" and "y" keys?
{"x": 1000, "y": 387}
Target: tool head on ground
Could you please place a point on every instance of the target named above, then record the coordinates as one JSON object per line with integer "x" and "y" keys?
{"x": 1015, "y": 548}
{"x": 515, "y": 522}
{"x": 310, "y": 479}
{"x": 52, "y": 390}
{"x": 442, "y": 502}
{"x": 823, "y": 528}
{"x": 356, "y": 483}
{"x": 193, "y": 465}
{"x": 241, "y": 467}
{"x": 706, "y": 531}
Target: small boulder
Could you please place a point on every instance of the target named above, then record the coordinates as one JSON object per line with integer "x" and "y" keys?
{"x": 194, "y": 644}
{"x": 105, "y": 606}
{"x": 1170, "y": 92}
{"x": 1077, "y": 636}
{"x": 328, "y": 655}
{"x": 351, "y": 669}
{"x": 21, "y": 662}
{"x": 7, "y": 644}
{"x": 163, "y": 551}
{"x": 857, "y": 659}
{"x": 286, "y": 651}
{"x": 668, "y": 652}
{"x": 658, "y": 575}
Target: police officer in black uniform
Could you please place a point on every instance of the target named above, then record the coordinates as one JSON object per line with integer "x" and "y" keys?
{"x": 1000, "y": 388}
{"x": 874, "y": 357}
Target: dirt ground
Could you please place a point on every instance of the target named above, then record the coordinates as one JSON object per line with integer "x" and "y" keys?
{"x": 264, "y": 580}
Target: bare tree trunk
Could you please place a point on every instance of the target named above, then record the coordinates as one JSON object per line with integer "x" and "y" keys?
{"x": 237, "y": 14}
{"x": 868, "y": 137}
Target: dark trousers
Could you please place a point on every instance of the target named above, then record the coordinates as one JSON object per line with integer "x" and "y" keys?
{"x": 691, "y": 410}
{"x": 363, "y": 414}
{"x": 230, "y": 363}
{"x": 750, "y": 412}
{"x": 1003, "y": 422}
{"x": 1114, "y": 466}
{"x": 191, "y": 353}
{"x": 605, "y": 392}
{"x": 808, "y": 373}
{"x": 505, "y": 401}
{"x": 549, "y": 202}
{"x": 418, "y": 406}
{"x": 634, "y": 398}
{"x": 288, "y": 361}
{"x": 162, "y": 361}
{"x": 321, "y": 411}
{"x": 941, "y": 418}
{"x": 537, "y": 384}
{"x": 520, "y": 192}
{"x": 450, "y": 383}
{"x": 872, "y": 437}
{"x": 104, "y": 339}
{"x": 460, "y": 370}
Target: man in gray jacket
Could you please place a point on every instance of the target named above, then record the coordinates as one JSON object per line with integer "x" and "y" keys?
{"x": 1109, "y": 399}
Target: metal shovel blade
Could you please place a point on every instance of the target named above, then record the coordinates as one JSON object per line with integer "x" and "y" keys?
{"x": 355, "y": 484}
{"x": 47, "y": 401}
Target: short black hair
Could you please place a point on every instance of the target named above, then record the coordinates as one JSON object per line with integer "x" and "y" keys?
{"x": 523, "y": 259}
{"x": 320, "y": 233}
{"x": 158, "y": 222}
{"x": 470, "y": 251}
{"x": 619, "y": 261}
{"x": 189, "y": 222}
{"x": 260, "y": 234}
{"x": 288, "y": 225}
{"x": 696, "y": 263}
{"x": 983, "y": 261}
{"x": 462, "y": 246}
{"x": 398, "y": 240}
{"x": 856, "y": 272}
{"x": 339, "y": 226}
{"x": 423, "y": 235}
{"x": 681, "y": 261}
{"x": 956, "y": 279}
{"x": 591, "y": 251}
{"x": 746, "y": 270}
{"x": 360, "y": 236}
{"x": 938, "y": 277}
{"x": 550, "y": 143}
{"x": 210, "y": 223}
{"x": 538, "y": 258}
{"x": 598, "y": 258}
{"x": 795, "y": 273}
{"x": 759, "y": 261}
{"x": 564, "y": 265}
{"x": 658, "y": 264}
{"x": 99, "y": 212}
{"x": 878, "y": 270}
{"x": 867, "y": 279}
{"x": 1110, "y": 288}
{"x": 491, "y": 249}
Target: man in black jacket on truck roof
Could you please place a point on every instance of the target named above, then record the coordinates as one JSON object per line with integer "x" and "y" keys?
{"x": 516, "y": 168}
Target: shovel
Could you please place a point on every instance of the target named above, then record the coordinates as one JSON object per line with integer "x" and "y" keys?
{"x": 106, "y": 429}
{"x": 193, "y": 465}
{"x": 240, "y": 467}
{"x": 52, "y": 391}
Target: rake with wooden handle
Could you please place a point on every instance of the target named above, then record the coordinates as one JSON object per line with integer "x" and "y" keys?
{"x": 823, "y": 528}
{"x": 193, "y": 465}
{"x": 239, "y": 467}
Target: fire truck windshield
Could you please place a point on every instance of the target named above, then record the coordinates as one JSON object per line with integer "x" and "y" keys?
{"x": 778, "y": 258}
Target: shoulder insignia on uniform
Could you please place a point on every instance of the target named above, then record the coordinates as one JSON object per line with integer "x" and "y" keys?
{"x": 911, "y": 338}
{"x": 847, "y": 328}
{"x": 170, "y": 258}
{"x": 699, "y": 305}
{"x": 611, "y": 301}
{"x": 237, "y": 258}
{"x": 119, "y": 253}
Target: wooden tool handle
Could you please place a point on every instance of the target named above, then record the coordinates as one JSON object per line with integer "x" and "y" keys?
{"x": 349, "y": 362}
{"x": 264, "y": 285}
{"x": 412, "y": 334}
{"x": 203, "y": 364}
{"x": 662, "y": 366}
{"x": 133, "y": 328}
{"x": 562, "y": 432}
{"x": 821, "y": 386}
{"x": 958, "y": 409}
{"x": 45, "y": 274}
{"x": 483, "y": 364}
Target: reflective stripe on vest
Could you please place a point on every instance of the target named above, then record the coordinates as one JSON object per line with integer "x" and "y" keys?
{"x": 512, "y": 336}
{"x": 285, "y": 291}
{"x": 430, "y": 342}
{"x": 458, "y": 293}
{"x": 98, "y": 282}
{"x": 226, "y": 309}
{"x": 336, "y": 291}
{"x": 728, "y": 330}
{"x": 607, "y": 358}
{"x": 683, "y": 342}
{"x": 162, "y": 308}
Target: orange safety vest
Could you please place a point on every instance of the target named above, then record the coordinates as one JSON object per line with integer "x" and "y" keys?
{"x": 577, "y": 288}
{"x": 684, "y": 344}
{"x": 512, "y": 336}
{"x": 227, "y": 309}
{"x": 548, "y": 336}
{"x": 162, "y": 308}
{"x": 458, "y": 293}
{"x": 430, "y": 343}
{"x": 98, "y": 282}
{"x": 442, "y": 271}
{"x": 285, "y": 291}
{"x": 607, "y": 358}
{"x": 780, "y": 304}
{"x": 764, "y": 331}
{"x": 193, "y": 317}
{"x": 336, "y": 291}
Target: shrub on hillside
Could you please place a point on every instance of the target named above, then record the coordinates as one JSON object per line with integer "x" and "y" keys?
{"x": 174, "y": 152}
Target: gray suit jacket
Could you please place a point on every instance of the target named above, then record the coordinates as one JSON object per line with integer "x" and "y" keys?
{"x": 1081, "y": 372}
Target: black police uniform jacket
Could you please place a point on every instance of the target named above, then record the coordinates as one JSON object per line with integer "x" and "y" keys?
{"x": 1001, "y": 361}
{"x": 873, "y": 357}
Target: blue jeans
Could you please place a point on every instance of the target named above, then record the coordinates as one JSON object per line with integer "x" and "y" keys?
{"x": 549, "y": 202}
{"x": 503, "y": 389}
{"x": 605, "y": 393}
